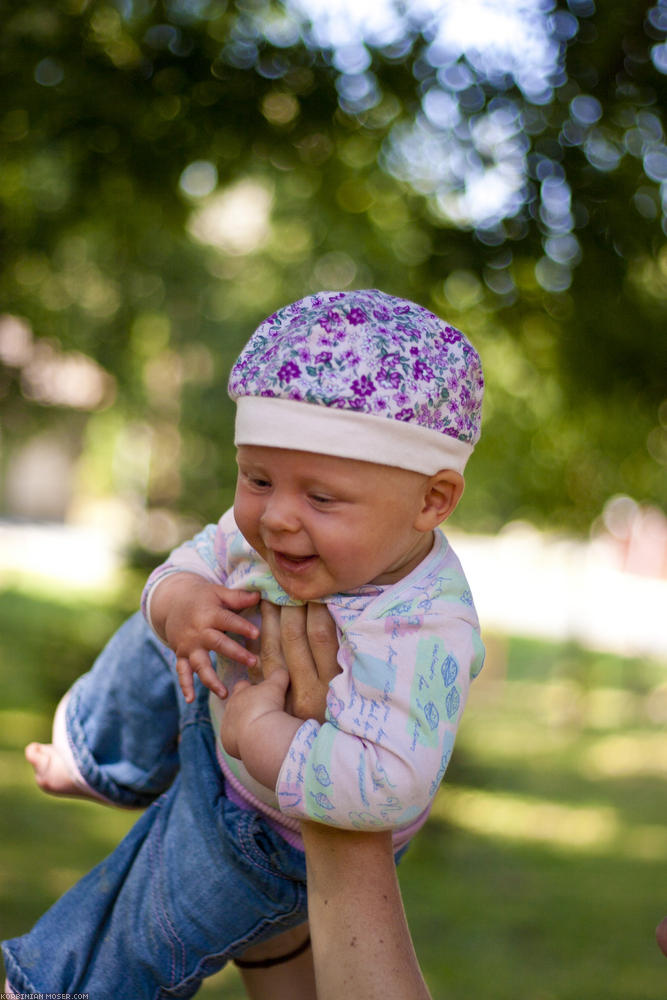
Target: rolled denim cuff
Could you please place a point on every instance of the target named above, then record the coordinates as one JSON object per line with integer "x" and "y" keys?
{"x": 62, "y": 746}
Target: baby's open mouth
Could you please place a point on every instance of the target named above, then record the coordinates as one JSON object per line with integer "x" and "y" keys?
{"x": 293, "y": 563}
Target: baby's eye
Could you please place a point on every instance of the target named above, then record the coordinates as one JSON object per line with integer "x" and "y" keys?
{"x": 258, "y": 481}
{"x": 321, "y": 499}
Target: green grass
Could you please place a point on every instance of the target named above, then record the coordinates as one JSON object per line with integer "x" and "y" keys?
{"x": 541, "y": 872}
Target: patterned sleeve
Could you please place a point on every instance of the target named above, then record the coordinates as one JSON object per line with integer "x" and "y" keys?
{"x": 203, "y": 555}
{"x": 392, "y": 717}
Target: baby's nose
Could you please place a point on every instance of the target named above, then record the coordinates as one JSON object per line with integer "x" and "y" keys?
{"x": 280, "y": 515}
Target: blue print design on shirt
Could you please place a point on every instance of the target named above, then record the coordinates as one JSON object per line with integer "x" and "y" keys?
{"x": 432, "y": 715}
{"x": 290, "y": 800}
{"x": 361, "y": 776}
{"x": 452, "y": 703}
{"x": 237, "y": 548}
{"x": 323, "y": 801}
{"x": 427, "y": 696}
{"x": 447, "y": 748}
{"x": 363, "y": 820}
{"x": 322, "y": 775}
{"x": 449, "y": 670}
{"x": 407, "y": 816}
{"x": 377, "y": 673}
{"x": 204, "y": 545}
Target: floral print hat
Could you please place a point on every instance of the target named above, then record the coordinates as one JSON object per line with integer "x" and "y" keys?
{"x": 362, "y": 375}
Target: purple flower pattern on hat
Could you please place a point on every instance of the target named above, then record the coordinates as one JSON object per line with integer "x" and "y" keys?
{"x": 368, "y": 352}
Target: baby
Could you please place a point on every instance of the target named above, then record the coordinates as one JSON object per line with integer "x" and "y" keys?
{"x": 356, "y": 414}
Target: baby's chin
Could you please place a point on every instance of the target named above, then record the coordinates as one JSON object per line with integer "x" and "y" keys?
{"x": 303, "y": 593}
{"x": 305, "y": 596}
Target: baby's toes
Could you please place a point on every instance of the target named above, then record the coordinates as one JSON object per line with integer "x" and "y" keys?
{"x": 51, "y": 774}
{"x": 37, "y": 755}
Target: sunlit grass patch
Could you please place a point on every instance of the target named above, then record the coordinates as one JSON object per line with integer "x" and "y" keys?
{"x": 520, "y": 818}
{"x": 627, "y": 755}
{"x": 594, "y": 829}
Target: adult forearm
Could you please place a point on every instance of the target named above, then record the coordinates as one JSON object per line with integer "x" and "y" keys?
{"x": 361, "y": 942}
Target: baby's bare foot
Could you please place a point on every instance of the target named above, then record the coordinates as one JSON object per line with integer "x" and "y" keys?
{"x": 51, "y": 773}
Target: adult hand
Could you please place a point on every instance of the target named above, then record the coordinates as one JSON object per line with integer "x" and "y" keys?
{"x": 303, "y": 641}
{"x": 297, "y": 649}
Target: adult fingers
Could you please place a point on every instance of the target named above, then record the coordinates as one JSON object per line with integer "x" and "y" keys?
{"x": 308, "y": 693}
{"x": 270, "y": 649}
{"x": 299, "y": 659}
{"x": 322, "y": 641}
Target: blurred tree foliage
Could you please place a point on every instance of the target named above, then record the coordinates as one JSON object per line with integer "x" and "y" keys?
{"x": 173, "y": 171}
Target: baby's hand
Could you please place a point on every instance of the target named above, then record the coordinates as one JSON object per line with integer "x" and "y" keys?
{"x": 298, "y": 650}
{"x": 257, "y": 729}
{"x": 193, "y": 616}
{"x": 249, "y": 703}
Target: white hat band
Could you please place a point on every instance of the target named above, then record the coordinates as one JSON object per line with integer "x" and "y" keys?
{"x": 285, "y": 423}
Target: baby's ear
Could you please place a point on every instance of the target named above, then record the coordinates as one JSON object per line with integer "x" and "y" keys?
{"x": 442, "y": 492}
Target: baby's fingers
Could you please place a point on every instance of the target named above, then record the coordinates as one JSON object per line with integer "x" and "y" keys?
{"x": 238, "y": 600}
{"x": 225, "y": 620}
{"x": 224, "y": 645}
{"x": 200, "y": 663}
{"x": 184, "y": 671}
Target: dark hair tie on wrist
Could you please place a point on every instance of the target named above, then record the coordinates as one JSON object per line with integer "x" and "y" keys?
{"x": 266, "y": 963}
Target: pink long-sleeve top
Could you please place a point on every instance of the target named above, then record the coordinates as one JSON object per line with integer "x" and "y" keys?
{"x": 407, "y": 653}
